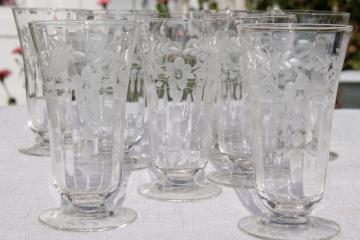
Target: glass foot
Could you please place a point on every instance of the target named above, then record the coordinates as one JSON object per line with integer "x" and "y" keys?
{"x": 314, "y": 229}
{"x": 179, "y": 193}
{"x": 220, "y": 160}
{"x": 230, "y": 179}
{"x": 333, "y": 156}
{"x": 36, "y": 150}
{"x": 132, "y": 163}
{"x": 60, "y": 219}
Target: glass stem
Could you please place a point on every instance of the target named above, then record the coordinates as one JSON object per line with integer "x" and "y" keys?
{"x": 242, "y": 167}
{"x": 179, "y": 182}
{"x": 41, "y": 139}
{"x": 288, "y": 220}
{"x": 91, "y": 205}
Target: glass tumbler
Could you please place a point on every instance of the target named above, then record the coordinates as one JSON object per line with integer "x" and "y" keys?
{"x": 85, "y": 67}
{"x": 36, "y": 106}
{"x": 323, "y": 17}
{"x": 215, "y": 27}
{"x": 180, "y": 94}
{"x": 136, "y": 103}
{"x": 293, "y": 74}
{"x": 234, "y": 124}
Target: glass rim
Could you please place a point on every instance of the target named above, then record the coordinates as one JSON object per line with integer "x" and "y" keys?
{"x": 296, "y": 27}
{"x": 314, "y": 12}
{"x": 114, "y": 12}
{"x": 216, "y": 19}
{"x": 263, "y": 15}
{"x": 213, "y": 17}
{"x": 208, "y": 13}
{"x": 176, "y": 14}
{"x": 74, "y": 23}
{"x": 221, "y": 11}
{"x": 16, "y": 8}
{"x": 246, "y": 11}
{"x": 124, "y": 10}
{"x": 180, "y": 17}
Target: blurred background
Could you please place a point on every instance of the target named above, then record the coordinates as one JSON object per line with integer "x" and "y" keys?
{"x": 12, "y": 79}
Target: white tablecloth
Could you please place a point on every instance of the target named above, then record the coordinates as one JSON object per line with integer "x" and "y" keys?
{"x": 25, "y": 192}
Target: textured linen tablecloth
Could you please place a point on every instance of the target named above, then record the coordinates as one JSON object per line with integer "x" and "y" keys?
{"x": 25, "y": 192}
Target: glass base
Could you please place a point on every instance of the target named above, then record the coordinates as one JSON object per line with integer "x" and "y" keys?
{"x": 219, "y": 160}
{"x": 314, "y": 229}
{"x": 132, "y": 163}
{"x": 230, "y": 179}
{"x": 333, "y": 156}
{"x": 179, "y": 193}
{"x": 59, "y": 219}
{"x": 38, "y": 150}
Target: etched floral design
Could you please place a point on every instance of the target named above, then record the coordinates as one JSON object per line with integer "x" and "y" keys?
{"x": 179, "y": 72}
{"x": 200, "y": 71}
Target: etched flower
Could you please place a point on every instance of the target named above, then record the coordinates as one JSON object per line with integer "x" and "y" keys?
{"x": 201, "y": 71}
{"x": 179, "y": 73}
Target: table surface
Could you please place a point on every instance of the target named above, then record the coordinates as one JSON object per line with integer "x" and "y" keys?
{"x": 25, "y": 192}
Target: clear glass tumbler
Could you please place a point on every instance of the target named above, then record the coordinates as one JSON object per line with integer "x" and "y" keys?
{"x": 36, "y": 106}
{"x": 180, "y": 95}
{"x": 85, "y": 67}
{"x": 320, "y": 17}
{"x": 234, "y": 124}
{"x": 293, "y": 74}
{"x": 136, "y": 103}
{"x": 216, "y": 24}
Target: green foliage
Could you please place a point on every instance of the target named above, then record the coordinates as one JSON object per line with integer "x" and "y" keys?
{"x": 294, "y": 4}
{"x": 162, "y": 9}
{"x": 211, "y": 3}
{"x": 352, "y": 60}
{"x": 11, "y": 101}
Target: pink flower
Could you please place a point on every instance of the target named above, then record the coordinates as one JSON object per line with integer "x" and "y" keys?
{"x": 104, "y": 3}
{"x": 17, "y": 50}
{"x": 4, "y": 74}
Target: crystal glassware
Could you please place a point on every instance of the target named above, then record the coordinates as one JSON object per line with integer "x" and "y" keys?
{"x": 136, "y": 103}
{"x": 233, "y": 153}
{"x": 36, "y": 107}
{"x": 216, "y": 24}
{"x": 85, "y": 67}
{"x": 323, "y": 17}
{"x": 180, "y": 91}
{"x": 293, "y": 74}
